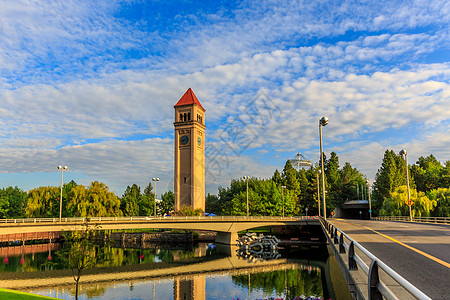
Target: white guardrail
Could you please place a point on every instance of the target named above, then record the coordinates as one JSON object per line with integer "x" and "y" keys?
{"x": 376, "y": 288}
{"x": 441, "y": 220}
{"x": 167, "y": 218}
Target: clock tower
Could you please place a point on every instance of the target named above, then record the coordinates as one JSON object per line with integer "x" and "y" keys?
{"x": 189, "y": 152}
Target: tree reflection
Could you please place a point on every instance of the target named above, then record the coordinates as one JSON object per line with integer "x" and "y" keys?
{"x": 292, "y": 283}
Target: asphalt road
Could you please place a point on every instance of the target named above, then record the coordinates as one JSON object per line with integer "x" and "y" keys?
{"x": 428, "y": 271}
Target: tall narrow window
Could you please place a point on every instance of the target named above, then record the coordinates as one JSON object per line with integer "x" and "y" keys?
{"x": 181, "y": 117}
{"x": 189, "y": 116}
{"x": 185, "y": 117}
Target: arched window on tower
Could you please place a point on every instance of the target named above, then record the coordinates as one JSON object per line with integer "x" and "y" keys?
{"x": 181, "y": 117}
{"x": 184, "y": 117}
{"x": 189, "y": 116}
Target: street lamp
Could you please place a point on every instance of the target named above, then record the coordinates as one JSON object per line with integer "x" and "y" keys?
{"x": 282, "y": 196}
{"x": 155, "y": 180}
{"x": 405, "y": 153}
{"x": 60, "y": 198}
{"x": 318, "y": 190}
{"x": 247, "y": 178}
{"x": 370, "y": 201}
{"x": 323, "y": 122}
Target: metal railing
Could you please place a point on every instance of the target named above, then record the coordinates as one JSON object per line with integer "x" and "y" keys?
{"x": 164, "y": 218}
{"x": 376, "y": 288}
{"x": 439, "y": 220}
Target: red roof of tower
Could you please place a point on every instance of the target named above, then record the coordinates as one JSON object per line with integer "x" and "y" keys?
{"x": 189, "y": 98}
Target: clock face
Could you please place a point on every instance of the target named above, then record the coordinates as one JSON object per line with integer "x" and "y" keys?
{"x": 199, "y": 141}
{"x": 184, "y": 140}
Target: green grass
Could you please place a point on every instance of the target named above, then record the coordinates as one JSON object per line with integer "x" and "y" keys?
{"x": 13, "y": 295}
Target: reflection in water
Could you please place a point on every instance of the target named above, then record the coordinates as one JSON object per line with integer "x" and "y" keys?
{"x": 205, "y": 271}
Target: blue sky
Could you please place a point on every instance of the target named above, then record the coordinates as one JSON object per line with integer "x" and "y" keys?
{"x": 92, "y": 84}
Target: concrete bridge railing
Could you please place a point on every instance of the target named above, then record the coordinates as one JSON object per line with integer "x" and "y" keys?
{"x": 438, "y": 220}
{"x": 378, "y": 278}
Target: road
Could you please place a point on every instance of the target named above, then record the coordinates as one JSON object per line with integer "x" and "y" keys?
{"x": 419, "y": 252}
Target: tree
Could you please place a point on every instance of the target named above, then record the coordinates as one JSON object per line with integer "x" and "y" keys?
{"x": 442, "y": 198}
{"x": 96, "y": 201}
{"x": 130, "y": 201}
{"x": 427, "y": 173}
{"x": 147, "y": 201}
{"x": 82, "y": 252}
{"x": 12, "y": 202}
{"x": 395, "y": 205}
{"x": 277, "y": 177}
{"x": 333, "y": 179}
{"x": 289, "y": 178}
{"x": 43, "y": 202}
{"x": 390, "y": 175}
{"x": 212, "y": 204}
{"x": 167, "y": 203}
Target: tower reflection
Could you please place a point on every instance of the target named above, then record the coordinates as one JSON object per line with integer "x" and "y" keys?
{"x": 190, "y": 288}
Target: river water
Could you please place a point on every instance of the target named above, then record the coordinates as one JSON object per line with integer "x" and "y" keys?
{"x": 197, "y": 271}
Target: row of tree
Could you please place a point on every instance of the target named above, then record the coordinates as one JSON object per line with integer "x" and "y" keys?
{"x": 267, "y": 197}
{"x": 429, "y": 187}
{"x": 81, "y": 201}
{"x": 429, "y": 184}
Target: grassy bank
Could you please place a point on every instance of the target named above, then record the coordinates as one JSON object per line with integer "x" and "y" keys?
{"x": 13, "y": 295}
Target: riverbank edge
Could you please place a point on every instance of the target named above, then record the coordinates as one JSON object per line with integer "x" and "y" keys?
{"x": 6, "y": 294}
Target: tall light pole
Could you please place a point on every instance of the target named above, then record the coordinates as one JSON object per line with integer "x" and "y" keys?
{"x": 370, "y": 201}
{"x": 405, "y": 153}
{"x": 318, "y": 190}
{"x": 247, "y": 178}
{"x": 323, "y": 122}
{"x": 60, "y": 198}
{"x": 155, "y": 180}
{"x": 282, "y": 196}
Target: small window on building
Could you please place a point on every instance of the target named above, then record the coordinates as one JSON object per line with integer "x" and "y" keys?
{"x": 184, "y": 179}
{"x": 189, "y": 116}
{"x": 184, "y": 117}
{"x": 181, "y": 117}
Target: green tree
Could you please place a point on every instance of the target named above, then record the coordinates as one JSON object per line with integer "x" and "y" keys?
{"x": 333, "y": 178}
{"x": 445, "y": 175}
{"x": 82, "y": 252}
{"x": 212, "y": 204}
{"x": 389, "y": 177}
{"x": 395, "y": 205}
{"x": 147, "y": 201}
{"x": 12, "y": 202}
{"x": 167, "y": 203}
{"x": 277, "y": 177}
{"x": 442, "y": 198}
{"x": 95, "y": 201}
{"x": 289, "y": 178}
{"x": 129, "y": 204}
{"x": 43, "y": 202}
{"x": 427, "y": 173}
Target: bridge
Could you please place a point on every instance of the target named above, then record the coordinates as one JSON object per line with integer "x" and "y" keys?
{"x": 385, "y": 258}
{"x": 227, "y": 228}
{"x": 379, "y": 258}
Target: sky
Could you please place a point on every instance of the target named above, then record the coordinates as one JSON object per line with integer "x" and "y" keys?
{"x": 92, "y": 85}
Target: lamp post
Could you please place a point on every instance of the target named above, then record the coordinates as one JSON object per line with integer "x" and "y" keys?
{"x": 60, "y": 198}
{"x": 155, "y": 180}
{"x": 282, "y": 196}
{"x": 246, "y": 178}
{"x": 323, "y": 122}
{"x": 370, "y": 201}
{"x": 318, "y": 190}
{"x": 405, "y": 153}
